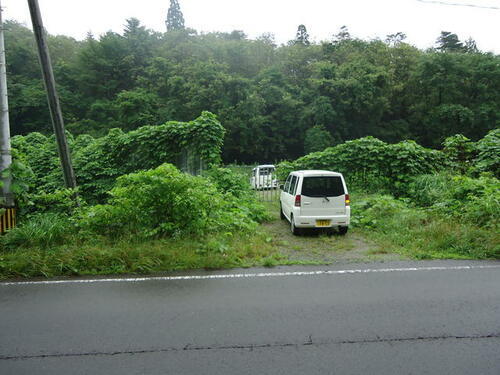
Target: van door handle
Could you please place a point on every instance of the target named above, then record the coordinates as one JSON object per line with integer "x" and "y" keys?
{"x": 307, "y": 203}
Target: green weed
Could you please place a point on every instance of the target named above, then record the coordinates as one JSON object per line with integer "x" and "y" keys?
{"x": 40, "y": 231}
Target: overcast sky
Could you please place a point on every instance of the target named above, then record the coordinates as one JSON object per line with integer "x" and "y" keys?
{"x": 421, "y": 20}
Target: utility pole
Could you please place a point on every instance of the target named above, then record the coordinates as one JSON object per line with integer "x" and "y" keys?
{"x": 53, "y": 99}
{"x": 6, "y": 157}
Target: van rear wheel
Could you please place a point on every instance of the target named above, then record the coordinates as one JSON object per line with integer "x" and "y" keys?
{"x": 282, "y": 215}
{"x": 295, "y": 231}
{"x": 343, "y": 230}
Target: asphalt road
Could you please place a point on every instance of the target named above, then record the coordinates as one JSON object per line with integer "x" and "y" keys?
{"x": 390, "y": 318}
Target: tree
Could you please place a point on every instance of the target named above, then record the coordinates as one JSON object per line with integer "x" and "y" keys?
{"x": 302, "y": 36}
{"x": 343, "y": 34}
{"x": 470, "y": 46}
{"x": 317, "y": 139}
{"x": 175, "y": 19}
{"x": 449, "y": 42}
{"x": 267, "y": 96}
{"x": 395, "y": 39}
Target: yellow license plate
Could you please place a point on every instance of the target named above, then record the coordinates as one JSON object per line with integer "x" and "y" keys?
{"x": 322, "y": 223}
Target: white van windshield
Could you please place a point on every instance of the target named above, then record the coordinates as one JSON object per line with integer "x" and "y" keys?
{"x": 322, "y": 186}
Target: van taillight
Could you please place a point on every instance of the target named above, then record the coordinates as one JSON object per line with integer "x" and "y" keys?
{"x": 347, "y": 200}
{"x": 297, "y": 201}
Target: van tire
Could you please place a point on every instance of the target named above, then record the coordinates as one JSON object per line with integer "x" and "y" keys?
{"x": 295, "y": 231}
{"x": 343, "y": 230}
{"x": 282, "y": 215}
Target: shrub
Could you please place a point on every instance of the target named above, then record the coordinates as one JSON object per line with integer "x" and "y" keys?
{"x": 422, "y": 233}
{"x": 241, "y": 195}
{"x": 63, "y": 201}
{"x": 472, "y": 200}
{"x": 165, "y": 202}
{"x": 488, "y": 158}
{"x": 460, "y": 152}
{"x": 228, "y": 181}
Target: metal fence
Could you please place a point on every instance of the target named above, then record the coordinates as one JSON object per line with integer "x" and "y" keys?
{"x": 190, "y": 162}
{"x": 268, "y": 195}
{"x": 266, "y": 185}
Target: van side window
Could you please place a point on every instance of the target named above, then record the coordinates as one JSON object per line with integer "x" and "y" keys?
{"x": 287, "y": 183}
{"x": 292, "y": 185}
{"x": 294, "y": 190}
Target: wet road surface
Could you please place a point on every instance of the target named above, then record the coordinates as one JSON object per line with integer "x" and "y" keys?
{"x": 384, "y": 318}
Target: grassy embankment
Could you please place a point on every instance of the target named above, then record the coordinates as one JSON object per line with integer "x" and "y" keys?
{"x": 383, "y": 228}
{"x": 399, "y": 233}
{"x": 270, "y": 245}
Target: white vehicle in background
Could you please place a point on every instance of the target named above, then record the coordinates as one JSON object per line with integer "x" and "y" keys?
{"x": 264, "y": 177}
{"x": 315, "y": 199}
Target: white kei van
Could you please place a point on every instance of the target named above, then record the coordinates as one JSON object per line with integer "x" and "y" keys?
{"x": 315, "y": 199}
{"x": 264, "y": 177}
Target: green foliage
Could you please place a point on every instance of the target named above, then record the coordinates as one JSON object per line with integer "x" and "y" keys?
{"x": 175, "y": 19}
{"x": 488, "y": 158}
{"x": 460, "y": 152}
{"x": 449, "y": 42}
{"x": 302, "y": 37}
{"x": 231, "y": 182}
{"x": 39, "y": 153}
{"x": 317, "y": 139}
{"x": 235, "y": 186}
{"x": 98, "y": 162}
{"x": 63, "y": 201}
{"x": 137, "y": 257}
{"x": 371, "y": 164}
{"x": 21, "y": 177}
{"x": 41, "y": 231}
{"x": 266, "y": 96}
{"x": 166, "y": 202}
{"x": 475, "y": 201}
{"x": 136, "y": 108}
{"x": 420, "y": 233}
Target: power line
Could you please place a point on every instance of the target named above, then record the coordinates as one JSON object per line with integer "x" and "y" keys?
{"x": 458, "y": 4}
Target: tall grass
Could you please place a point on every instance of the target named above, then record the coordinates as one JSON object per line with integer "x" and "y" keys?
{"x": 132, "y": 256}
{"x": 41, "y": 231}
{"x": 422, "y": 233}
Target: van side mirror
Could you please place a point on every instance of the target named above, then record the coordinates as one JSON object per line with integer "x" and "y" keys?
{"x": 282, "y": 186}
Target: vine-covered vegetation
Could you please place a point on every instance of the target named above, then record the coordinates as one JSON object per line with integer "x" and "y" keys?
{"x": 129, "y": 193}
{"x": 99, "y": 161}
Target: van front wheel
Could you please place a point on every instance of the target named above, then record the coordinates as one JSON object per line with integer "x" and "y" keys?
{"x": 282, "y": 215}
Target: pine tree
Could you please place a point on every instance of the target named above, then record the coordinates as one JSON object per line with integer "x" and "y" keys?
{"x": 449, "y": 42}
{"x": 343, "y": 34}
{"x": 175, "y": 19}
{"x": 471, "y": 46}
{"x": 395, "y": 39}
{"x": 302, "y": 36}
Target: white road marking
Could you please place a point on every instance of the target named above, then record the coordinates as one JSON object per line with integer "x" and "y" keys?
{"x": 245, "y": 275}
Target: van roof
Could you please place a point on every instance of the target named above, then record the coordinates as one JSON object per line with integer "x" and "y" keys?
{"x": 265, "y": 166}
{"x": 317, "y": 173}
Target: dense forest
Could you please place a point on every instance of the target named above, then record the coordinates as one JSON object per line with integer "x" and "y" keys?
{"x": 275, "y": 102}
